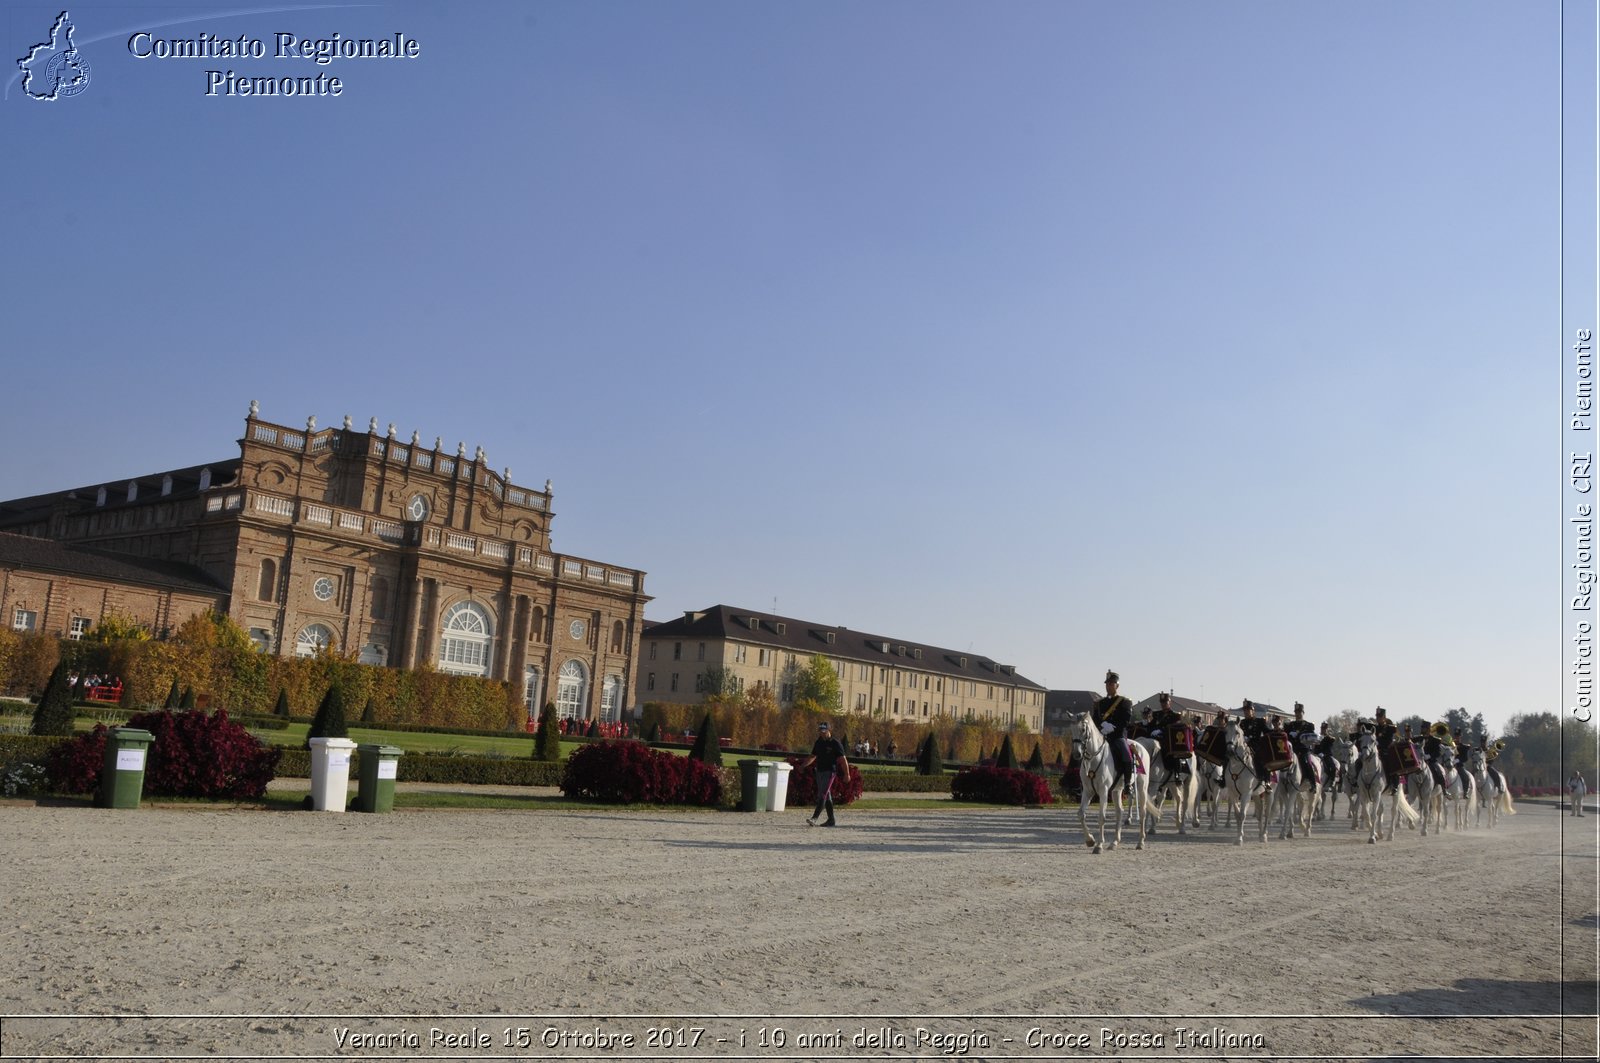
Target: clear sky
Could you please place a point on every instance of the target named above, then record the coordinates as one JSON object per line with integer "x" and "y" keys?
{"x": 1207, "y": 342}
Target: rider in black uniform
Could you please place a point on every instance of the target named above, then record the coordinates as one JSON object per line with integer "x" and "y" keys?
{"x": 1113, "y": 714}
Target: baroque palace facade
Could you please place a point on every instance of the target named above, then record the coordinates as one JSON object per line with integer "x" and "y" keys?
{"x": 888, "y": 678}
{"x": 359, "y": 542}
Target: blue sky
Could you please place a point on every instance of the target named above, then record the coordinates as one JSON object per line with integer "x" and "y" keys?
{"x": 1208, "y": 342}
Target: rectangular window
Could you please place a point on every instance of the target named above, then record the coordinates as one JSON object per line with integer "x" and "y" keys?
{"x": 78, "y": 628}
{"x": 739, "y": 652}
{"x": 861, "y": 703}
{"x": 677, "y": 651}
{"x": 652, "y": 651}
{"x": 700, "y": 652}
{"x": 763, "y": 656}
{"x": 674, "y": 686}
{"x": 650, "y": 679}
{"x": 787, "y": 693}
{"x": 24, "y": 620}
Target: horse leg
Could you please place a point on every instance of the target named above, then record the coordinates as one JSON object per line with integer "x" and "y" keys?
{"x": 1083, "y": 819}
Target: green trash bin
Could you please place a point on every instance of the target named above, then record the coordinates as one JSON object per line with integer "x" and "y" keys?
{"x": 122, "y": 775}
{"x": 754, "y": 779}
{"x": 375, "y": 789}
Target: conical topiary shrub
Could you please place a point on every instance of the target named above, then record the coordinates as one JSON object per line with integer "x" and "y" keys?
{"x": 928, "y": 759}
{"x": 1006, "y": 756}
{"x": 594, "y": 729}
{"x": 53, "y": 714}
{"x": 707, "y": 749}
{"x": 1036, "y": 762}
{"x": 282, "y": 707}
{"x": 173, "y": 696}
{"x": 655, "y": 732}
{"x": 368, "y": 715}
{"x": 187, "y": 701}
{"x": 329, "y": 722}
{"x": 547, "y": 741}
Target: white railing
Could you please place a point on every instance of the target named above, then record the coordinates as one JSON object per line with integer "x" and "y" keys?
{"x": 546, "y": 563}
{"x": 433, "y": 536}
{"x": 234, "y": 501}
{"x": 424, "y": 460}
{"x": 282, "y": 507}
{"x": 518, "y": 496}
{"x": 536, "y": 501}
{"x": 456, "y": 541}
{"x": 214, "y": 504}
{"x": 499, "y": 551}
{"x": 316, "y": 514}
{"x": 594, "y": 572}
{"x": 447, "y": 466}
{"x": 571, "y": 568}
{"x": 388, "y": 530}
{"x": 322, "y": 441}
{"x": 525, "y": 555}
{"x": 400, "y": 454}
{"x": 265, "y": 435}
{"x": 622, "y": 579}
{"x": 294, "y": 442}
{"x": 353, "y": 521}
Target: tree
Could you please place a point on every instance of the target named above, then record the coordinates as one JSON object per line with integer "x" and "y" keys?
{"x": 368, "y": 714}
{"x": 707, "y": 749}
{"x": 717, "y": 682}
{"x": 329, "y": 721}
{"x": 928, "y": 759}
{"x": 282, "y": 707}
{"x": 547, "y": 741}
{"x": 115, "y": 627}
{"x": 819, "y": 683}
{"x": 188, "y": 700}
{"x": 1036, "y": 762}
{"x": 174, "y": 696}
{"x": 1006, "y": 756}
{"x": 53, "y": 714}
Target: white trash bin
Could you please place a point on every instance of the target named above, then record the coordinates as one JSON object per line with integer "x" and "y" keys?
{"x": 778, "y": 785}
{"x": 330, "y": 773}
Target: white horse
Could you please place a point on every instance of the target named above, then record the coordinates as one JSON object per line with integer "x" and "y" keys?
{"x": 1461, "y": 794}
{"x": 1240, "y": 784}
{"x": 1295, "y": 795}
{"x": 1493, "y": 797}
{"x": 1333, "y": 781}
{"x": 1367, "y": 777}
{"x": 1427, "y": 791}
{"x": 1097, "y": 772}
{"x": 1182, "y": 784}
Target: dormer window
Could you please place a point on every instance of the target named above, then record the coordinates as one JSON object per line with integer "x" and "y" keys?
{"x": 166, "y": 484}
{"x": 205, "y": 479}
{"x": 133, "y": 490}
{"x": 780, "y": 628}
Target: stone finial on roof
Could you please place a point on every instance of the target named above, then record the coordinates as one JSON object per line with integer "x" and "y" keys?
{"x": 347, "y": 422}
{"x": 415, "y": 435}
{"x": 547, "y": 487}
{"x": 311, "y": 423}
{"x": 506, "y": 475}
{"x": 372, "y": 426}
{"x": 438, "y": 442}
{"x": 255, "y": 408}
{"x": 461, "y": 449}
{"x": 479, "y": 455}
{"x": 391, "y": 429}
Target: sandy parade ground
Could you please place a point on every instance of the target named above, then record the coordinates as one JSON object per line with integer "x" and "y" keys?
{"x": 185, "y": 931}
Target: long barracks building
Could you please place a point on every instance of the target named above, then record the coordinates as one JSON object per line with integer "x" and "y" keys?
{"x": 358, "y": 541}
{"x": 890, "y": 678}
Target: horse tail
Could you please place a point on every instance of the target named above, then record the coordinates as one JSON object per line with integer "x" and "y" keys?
{"x": 1505, "y": 803}
{"x": 1406, "y": 810}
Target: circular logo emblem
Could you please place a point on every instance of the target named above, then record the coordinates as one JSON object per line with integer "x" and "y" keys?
{"x": 67, "y": 73}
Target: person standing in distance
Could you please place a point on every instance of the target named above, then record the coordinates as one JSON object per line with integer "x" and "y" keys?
{"x": 1579, "y": 789}
{"x": 827, "y": 753}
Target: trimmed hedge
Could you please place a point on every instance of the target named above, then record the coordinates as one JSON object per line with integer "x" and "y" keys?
{"x": 1001, "y": 786}
{"x": 422, "y": 767}
{"x": 633, "y": 773}
{"x": 904, "y": 782}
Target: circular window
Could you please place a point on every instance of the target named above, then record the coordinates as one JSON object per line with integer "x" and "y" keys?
{"x": 418, "y": 508}
{"x": 577, "y": 629}
{"x": 323, "y": 588}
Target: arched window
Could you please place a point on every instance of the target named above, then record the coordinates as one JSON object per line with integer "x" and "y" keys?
{"x": 616, "y": 637}
{"x": 380, "y": 597}
{"x": 464, "y": 645}
{"x": 572, "y": 685}
{"x": 312, "y": 640}
{"x": 609, "y": 699}
{"x": 536, "y": 627}
{"x": 266, "y": 589}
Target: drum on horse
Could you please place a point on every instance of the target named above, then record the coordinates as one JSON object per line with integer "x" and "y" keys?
{"x": 1240, "y": 784}
{"x": 1182, "y": 784}
{"x": 1097, "y": 773}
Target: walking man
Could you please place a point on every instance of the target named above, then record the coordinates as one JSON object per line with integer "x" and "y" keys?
{"x": 828, "y": 755}
{"x": 1578, "y": 788}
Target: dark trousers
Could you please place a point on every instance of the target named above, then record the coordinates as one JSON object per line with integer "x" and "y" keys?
{"x": 824, "y": 794}
{"x": 1118, "y": 741}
